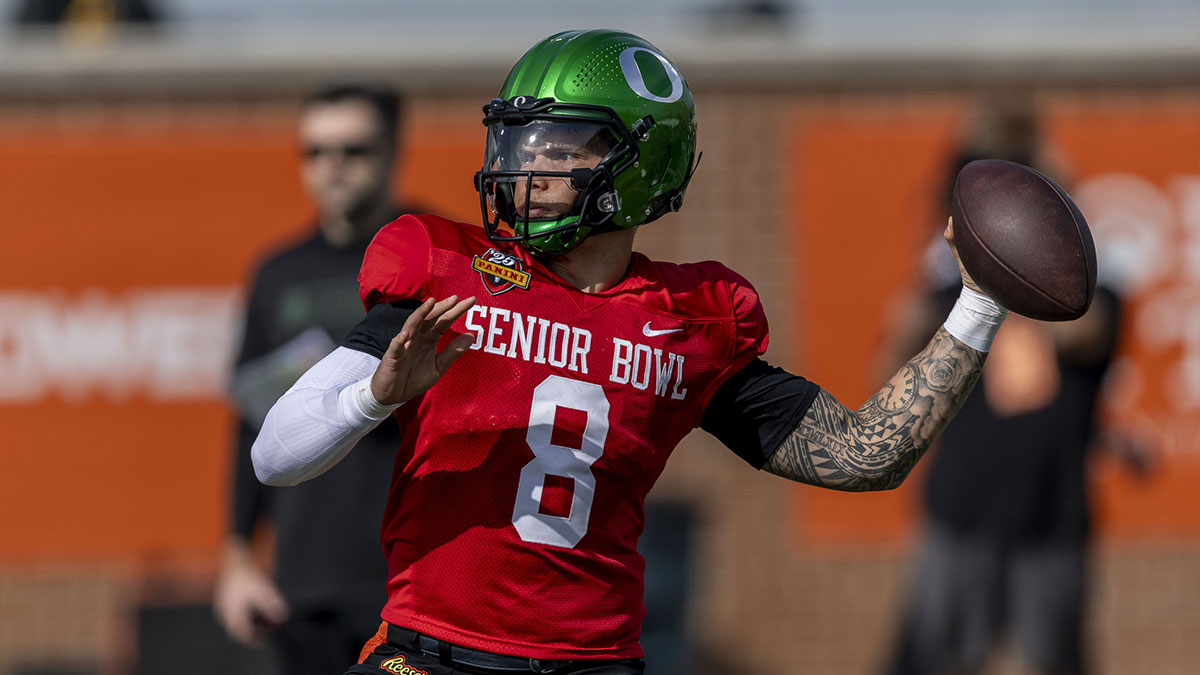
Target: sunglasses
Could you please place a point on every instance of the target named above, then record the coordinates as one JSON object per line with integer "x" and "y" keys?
{"x": 347, "y": 151}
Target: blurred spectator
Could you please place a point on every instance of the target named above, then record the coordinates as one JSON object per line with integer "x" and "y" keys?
{"x": 39, "y": 12}
{"x": 323, "y": 603}
{"x": 1005, "y": 545}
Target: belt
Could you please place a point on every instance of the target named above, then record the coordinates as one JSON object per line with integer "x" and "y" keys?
{"x": 450, "y": 654}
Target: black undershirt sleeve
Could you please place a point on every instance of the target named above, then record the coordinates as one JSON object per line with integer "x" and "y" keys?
{"x": 374, "y": 333}
{"x": 251, "y": 499}
{"x": 756, "y": 408}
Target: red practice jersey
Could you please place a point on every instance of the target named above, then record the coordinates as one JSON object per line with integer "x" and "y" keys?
{"x": 518, "y": 493}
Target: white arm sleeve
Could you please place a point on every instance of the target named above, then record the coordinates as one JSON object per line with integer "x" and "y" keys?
{"x": 316, "y": 423}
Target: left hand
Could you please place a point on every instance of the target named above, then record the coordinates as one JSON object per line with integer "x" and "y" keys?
{"x": 966, "y": 278}
{"x": 247, "y": 603}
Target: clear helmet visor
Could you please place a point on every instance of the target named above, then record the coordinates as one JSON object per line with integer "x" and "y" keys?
{"x": 538, "y": 168}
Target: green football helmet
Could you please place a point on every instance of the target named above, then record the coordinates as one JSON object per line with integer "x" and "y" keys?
{"x": 599, "y": 119}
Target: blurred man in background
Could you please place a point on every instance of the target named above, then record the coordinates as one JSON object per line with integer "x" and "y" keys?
{"x": 1006, "y": 497}
{"x": 324, "y": 600}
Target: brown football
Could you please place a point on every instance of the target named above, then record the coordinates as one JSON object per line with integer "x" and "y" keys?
{"x": 1023, "y": 240}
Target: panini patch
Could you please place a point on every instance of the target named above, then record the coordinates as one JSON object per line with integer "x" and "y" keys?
{"x": 500, "y": 271}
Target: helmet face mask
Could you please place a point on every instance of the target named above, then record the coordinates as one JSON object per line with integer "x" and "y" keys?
{"x": 548, "y": 173}
{"x": 593, "y": 131}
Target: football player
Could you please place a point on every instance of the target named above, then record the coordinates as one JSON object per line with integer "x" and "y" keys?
{"x": 542, "y": 371}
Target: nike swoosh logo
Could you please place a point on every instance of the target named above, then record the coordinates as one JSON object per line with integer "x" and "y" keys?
{"x": 650, "y": 332}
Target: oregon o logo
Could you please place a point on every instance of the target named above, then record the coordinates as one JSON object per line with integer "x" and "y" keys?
{"x": 633, "y": 75}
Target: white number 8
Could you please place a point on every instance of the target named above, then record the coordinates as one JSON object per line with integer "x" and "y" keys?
{"x": 549, "y": 459}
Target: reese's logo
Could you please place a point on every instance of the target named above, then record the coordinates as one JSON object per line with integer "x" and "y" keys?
{"x": 500, "y": 271}
{"x": 397, "y": 665}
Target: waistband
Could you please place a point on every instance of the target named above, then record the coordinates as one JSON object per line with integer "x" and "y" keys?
{"x": 451, "y": 654}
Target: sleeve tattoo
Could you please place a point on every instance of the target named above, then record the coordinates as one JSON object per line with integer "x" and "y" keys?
{"x": 874, "y": 447}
